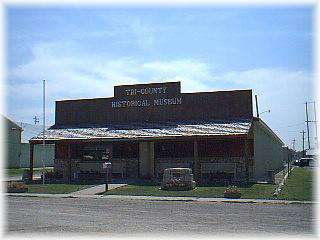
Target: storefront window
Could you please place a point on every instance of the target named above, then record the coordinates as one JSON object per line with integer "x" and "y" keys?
{"x": 94, "y": 151}
{"x": 165, "y": 149}
{"x": 125, "y": 150}
{"x": 221, "y": 148}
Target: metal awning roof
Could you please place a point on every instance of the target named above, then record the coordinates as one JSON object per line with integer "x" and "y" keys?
{"x": 148, "y": 130}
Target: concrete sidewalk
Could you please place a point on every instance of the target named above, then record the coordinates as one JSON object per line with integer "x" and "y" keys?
{"x": 19, "y": 177}
{"x": 96, "y": 189}
{"x": 154, "y": 198}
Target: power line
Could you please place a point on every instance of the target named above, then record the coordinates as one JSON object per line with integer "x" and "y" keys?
{"x": 294, "y": 125}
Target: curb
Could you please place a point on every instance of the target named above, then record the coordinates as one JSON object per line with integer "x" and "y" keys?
{"x": 154, "y": 198}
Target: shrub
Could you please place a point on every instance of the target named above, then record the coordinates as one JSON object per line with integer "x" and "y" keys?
{"x": 52, "y": 175}
{"x": 232, "y": 192}
{"x": 87, "y": 157}
{"x": 16, "y": 187}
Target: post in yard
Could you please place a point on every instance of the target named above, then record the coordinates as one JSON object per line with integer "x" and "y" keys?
{"x": 43, "y": 133}
{"x": 107, "y": 179}
{"x": 107, "y": 167}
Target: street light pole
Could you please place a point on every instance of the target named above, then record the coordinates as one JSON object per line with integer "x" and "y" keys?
{"x": 43, "y": 133}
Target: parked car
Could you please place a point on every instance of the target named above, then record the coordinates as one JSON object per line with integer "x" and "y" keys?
{"x": 313, "y": 162}
{"x": 302, "y": 162}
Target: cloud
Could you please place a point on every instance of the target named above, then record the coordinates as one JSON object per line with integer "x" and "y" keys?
{"x": 282, "y": 91}
{"x": 143, "y": 33}
{"x": 71, "y": 74}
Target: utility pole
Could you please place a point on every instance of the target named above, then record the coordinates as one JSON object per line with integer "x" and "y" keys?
{"x": 44, "y": 129}
{"x": 257, "y": 107}
{"x": 293, "y": 144}
{"x": 303, "y": 132}
{"x": 307, "y": 125}
{"x": 315, "y": 122}
{"x": 288, "y": 162}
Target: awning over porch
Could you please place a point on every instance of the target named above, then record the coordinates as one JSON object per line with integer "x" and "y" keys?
{"x": 148, "y": 130}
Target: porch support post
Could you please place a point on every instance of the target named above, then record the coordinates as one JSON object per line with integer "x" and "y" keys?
{"x": 69, "y": 162}
{"x": 197, "y": 170}
{"x": 151, "y": 157}
{"x": 31, "y": 163}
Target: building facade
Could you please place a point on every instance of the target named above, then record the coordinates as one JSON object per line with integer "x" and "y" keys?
{"x": 17, "y": 148}
{"x": 29, "y": 131}
{"x": 146, "y": 128}
{"x": 12, "y": 141}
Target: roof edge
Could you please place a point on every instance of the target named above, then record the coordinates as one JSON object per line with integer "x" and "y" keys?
{"x": 11, "y": 121}
{"x": 265, "y": 126}
{"x": 143, "y": 138}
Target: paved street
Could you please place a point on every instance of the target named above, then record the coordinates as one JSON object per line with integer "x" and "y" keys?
{"x": 32, "y": 214}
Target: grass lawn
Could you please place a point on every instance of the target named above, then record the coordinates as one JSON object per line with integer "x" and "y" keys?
{"x": 19, "y": 171}
{"x": 298, "y": 185}
{"x": 263, "y": 191}
{"x": 55, "y": 188}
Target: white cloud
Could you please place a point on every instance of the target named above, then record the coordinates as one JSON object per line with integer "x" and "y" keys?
{"x": 73, "y": 75}
{"x": 143, "y": 33}
{"x": 283, "y": 91}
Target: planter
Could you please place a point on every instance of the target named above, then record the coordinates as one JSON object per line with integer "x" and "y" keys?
{"x": 232, "y": 192}
{"x": 17, "y": 190}
{"x": 184, "y": 188}
{"x": 178, "y": 185}
{"x": 16, "y": 187}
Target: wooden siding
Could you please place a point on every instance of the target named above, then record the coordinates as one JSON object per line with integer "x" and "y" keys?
{"x": 220, "y": 105}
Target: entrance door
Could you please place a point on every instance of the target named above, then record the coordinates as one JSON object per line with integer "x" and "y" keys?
{"x": 146, "y": 159}
{"x": 125, "y": 157}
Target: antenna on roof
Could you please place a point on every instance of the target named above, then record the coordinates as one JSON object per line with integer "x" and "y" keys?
{"x": 36, "y": 120}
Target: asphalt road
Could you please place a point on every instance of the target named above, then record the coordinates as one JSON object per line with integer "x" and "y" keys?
{"x": 80, "y": 215}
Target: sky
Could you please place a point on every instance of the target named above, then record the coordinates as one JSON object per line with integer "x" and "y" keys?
{"x": 84, "y": 51}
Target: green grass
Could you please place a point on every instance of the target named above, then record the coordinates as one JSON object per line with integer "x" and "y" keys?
{"x": 19, "y": 171}
{"x": 263, "y": 191}
{"x": 298, "y": 185}
{"x": 55, "y": 188}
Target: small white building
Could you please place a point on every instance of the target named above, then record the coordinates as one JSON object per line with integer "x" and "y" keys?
{"x": 17, "y": 148}
{"x": 11, "y": 139}
{"x": 29, "y": 131}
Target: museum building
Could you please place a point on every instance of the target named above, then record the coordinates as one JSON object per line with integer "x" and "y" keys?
{"x": 146, "y": 128}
